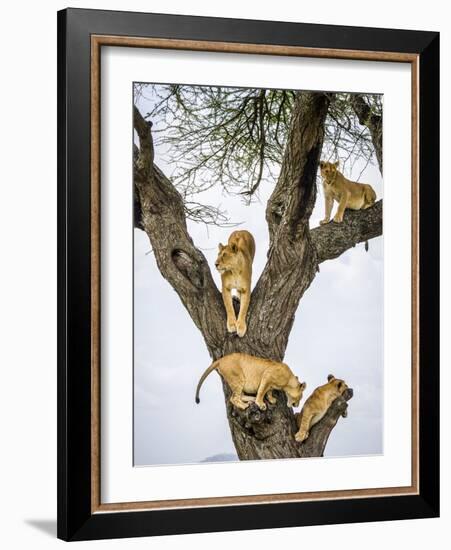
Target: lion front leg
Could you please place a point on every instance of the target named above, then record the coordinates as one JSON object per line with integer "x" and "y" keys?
{"x": 328, "y": 201}
{"x": 304, "y": 427}
{"x": 228, "y": 304}
{"x": 241, "y": 326}
{"x": 262, "y": 389}
{"x": 338, "y": 218}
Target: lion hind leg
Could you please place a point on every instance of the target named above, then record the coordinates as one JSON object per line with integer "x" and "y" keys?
{"x": 248, "y": 398}
{"x": 237, "y": 395}
{"x": 238, "y": 402}
{"x": 369, "y": 197}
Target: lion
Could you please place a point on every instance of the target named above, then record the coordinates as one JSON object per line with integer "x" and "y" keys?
{"x": 317, "y": 405}
{"x": 348, "y": 194}
{"x": 255, "y": 376}
{"x": 234, "y": 263}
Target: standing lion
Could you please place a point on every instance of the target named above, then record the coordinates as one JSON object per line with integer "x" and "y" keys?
{"x": 234, "y": 263}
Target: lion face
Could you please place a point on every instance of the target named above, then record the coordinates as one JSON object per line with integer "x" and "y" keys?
{"x": 227, "y": 259}
{"x": 294, "y": 394}
{"x": 328, "y": 169}
{"x": 338, "y": 385}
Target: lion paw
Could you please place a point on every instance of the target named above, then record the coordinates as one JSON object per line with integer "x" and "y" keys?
{"x": 241, "y": 328}
{"x": 261, "y": 406}
{"x": 323, "y": 222}
{"x": 231, "y": 326}
{"x": 301, "y": 436}
{"x": 338, "y": 219}
{"x": 239, "y": 404}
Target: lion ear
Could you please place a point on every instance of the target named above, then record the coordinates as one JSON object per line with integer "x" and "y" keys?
{"x": 303, "y": 386}
{"x": 321, "y": 164}
{"x": 337, "y": 163}
{"x": 234, "y": 248}
{"x": 220, "y": 247}
{"x": 330, "y": 377}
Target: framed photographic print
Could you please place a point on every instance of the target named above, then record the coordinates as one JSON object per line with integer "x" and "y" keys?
{"x": 248, "y": 274}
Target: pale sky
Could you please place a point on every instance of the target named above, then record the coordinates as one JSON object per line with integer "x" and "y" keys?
{"x": 338, "y": 329}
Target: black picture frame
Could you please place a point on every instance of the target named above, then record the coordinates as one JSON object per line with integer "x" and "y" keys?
{"x": 76, "y": 521}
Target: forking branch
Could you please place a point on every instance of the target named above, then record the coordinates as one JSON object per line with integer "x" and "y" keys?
{"x": 294, "y": 255}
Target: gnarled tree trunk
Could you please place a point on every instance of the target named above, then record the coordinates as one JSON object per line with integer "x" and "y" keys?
{"x": 294, "y": 255}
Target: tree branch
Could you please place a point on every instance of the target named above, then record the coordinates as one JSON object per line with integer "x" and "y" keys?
{"x": 144, "y": 155}
{"x": 293, "y": 258}
{"x": 259, "y": 433}
{"x": 372, "y": 121}
{"x": 291, "y": 264}
{"x": 161, "y": 214}
{"x": 316, "y": 442}
{"x": 292, "y": 201}
{"x": 332, "y": 239}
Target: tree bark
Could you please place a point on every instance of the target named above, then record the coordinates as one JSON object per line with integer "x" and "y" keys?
{"x": 294, "y": 255}
{"x": 372, "y": 121}
{"x": 332, "y": 239}
{"x": 162, "y": 217}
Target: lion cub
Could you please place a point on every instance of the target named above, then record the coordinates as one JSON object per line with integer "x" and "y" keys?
{"x": 234, "y": 263}
{"x": 348, "y": 194}
{"x": 254, "y": 375}
{"x": 317, "y": 405}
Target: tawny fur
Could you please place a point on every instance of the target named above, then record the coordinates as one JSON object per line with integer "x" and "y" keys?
{"x": 255, "y": 376}
{"x": 317, "y": 405}
{"x": 234, "y": 263}
{"x": 348, "y": 194}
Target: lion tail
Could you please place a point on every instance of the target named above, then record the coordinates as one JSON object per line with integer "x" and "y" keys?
{"x": 210, "y": 369}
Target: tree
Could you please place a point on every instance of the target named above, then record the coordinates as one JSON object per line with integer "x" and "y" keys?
{"x": 240, "y": 128}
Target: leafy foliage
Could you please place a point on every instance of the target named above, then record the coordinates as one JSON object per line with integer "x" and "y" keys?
{"x": 236, "y": 137}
